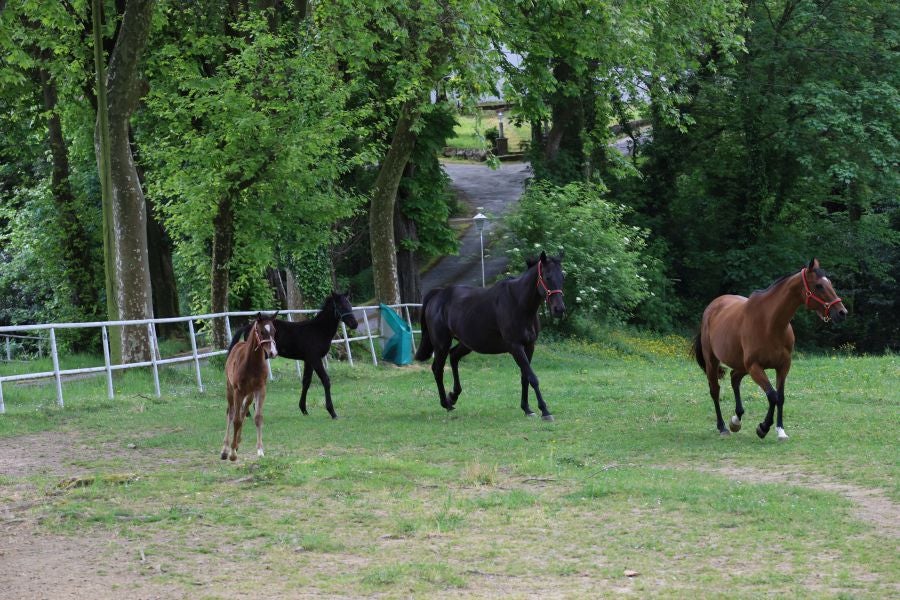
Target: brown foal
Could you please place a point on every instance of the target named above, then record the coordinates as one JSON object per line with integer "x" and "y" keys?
{"x": 245, "y": 374}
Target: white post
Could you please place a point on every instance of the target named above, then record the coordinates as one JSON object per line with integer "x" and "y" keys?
{"x": 194, "y": 352}
{"x": 109, "y": 385}
{"x": 369, "y": 333}
{"x": 151, "y": 330}
{"x": 8, "y": 355}
{"x": 347, "y": 344}
{"x": 228, "y": 328}
{"x": 59, "y": 398}
{"x": 2, "y": 406}
{"x": 479, "y": 223}
{"x": 409, "y": 322}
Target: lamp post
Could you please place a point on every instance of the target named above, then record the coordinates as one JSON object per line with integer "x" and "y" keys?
{"x": 479, "y": 224}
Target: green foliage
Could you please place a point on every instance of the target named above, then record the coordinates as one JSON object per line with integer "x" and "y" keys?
{"x": 792, "y": 154}
{"x": 603, "y": 257}
{"x": 238, "y": 110}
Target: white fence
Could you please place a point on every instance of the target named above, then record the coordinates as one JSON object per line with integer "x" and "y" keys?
{"x": 362, "y": 313}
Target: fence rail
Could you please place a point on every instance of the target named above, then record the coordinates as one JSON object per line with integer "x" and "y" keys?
{"x": 343, "y": 338}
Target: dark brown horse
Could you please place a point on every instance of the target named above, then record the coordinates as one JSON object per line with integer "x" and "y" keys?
{"x": 494, "y": 320}
{"x": 245, "y": 379}
{"x": 752, "y": 334}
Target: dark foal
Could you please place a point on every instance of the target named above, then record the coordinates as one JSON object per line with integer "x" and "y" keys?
{"x": 310, "y": 341}
{"x": 245, "y": 379}
{"x": 501, "y": 318}
{"x": 753, "y": 334}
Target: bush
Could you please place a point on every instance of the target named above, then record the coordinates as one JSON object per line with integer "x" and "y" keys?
{"x": 603, "y": 257}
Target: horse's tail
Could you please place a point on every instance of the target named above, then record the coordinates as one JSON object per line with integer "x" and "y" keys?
{"x": 426, "y": 348}
{"x": 697, "y": 351}
{"x": 234, "y": 340}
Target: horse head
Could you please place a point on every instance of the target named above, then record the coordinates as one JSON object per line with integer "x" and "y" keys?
{"x": 819, "y": 295}
{"x": 263, "y": 334}
{"x": 550, "y": 281}
{"x": 343, "y": 309}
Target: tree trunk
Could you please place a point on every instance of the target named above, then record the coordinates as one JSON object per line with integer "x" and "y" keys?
{"x": 407, "y": 260}
{"x": 381, "y": 212}
{"x": 223, "y": 246}
{"x": 294, "y": 294}
{"x": 162, "y": 275}
{"x": 76, "y": 247}
{"x": 125, "y": 216}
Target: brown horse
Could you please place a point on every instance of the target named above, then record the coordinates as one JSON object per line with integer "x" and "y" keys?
{"x": 245, "y": 374}
{"x": 752, "y": 334}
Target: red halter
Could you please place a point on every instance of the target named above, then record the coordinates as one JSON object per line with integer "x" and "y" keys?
{"x": 808, "y": 295}
{"x": 542, "y": 284}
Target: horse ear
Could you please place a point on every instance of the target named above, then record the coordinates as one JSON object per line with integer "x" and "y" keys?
{"x": 259, "y": 316}
{"x": 813, "y": 264}
{"x": 543, "y": 257}
{"x": 276, "y": 314}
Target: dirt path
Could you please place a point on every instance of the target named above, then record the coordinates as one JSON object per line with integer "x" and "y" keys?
{"x": 870, "y": 505}
{"x": 38, "y": 564}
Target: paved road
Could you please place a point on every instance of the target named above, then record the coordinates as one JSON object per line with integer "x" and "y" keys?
{"x": 496, "y": 192}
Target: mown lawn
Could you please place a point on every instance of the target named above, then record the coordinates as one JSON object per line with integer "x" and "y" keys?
{"x": 399, "y": 498}
{"x": 469, "y": 134}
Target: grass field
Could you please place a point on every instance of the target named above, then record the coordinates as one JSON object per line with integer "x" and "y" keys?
{"x": 630, "y": 490}
{"x": 469, "y": 134}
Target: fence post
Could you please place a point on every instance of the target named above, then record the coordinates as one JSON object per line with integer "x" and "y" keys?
{"x": 151, "y": 330}
{"x": 409, "y": 322}
{"x": 347, "y": 344}
{"x": 8, "y": 355}
{"x": 2, "y": 405}
{"x": 228, "y": 328}
{"x": 194, "y": 352}
{"x": 55, "y": 355}
{"x": 369, "y": 333}
{"x": 109, "y": 385}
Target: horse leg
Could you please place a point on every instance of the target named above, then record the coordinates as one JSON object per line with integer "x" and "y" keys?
{"x": 529, "y": 352}
{"x": 307, "y": 379}
{"x": 229, "y": 420}
{"x": 259, "y": 397}
{"x": 456, "y": 355}
{"x": 519, "y": 354}
{"x": 437, "y": 367}
{"x": 780, "y": 378}
{"x": 762, "y": 380}
{"x": 239, "y": 414}
{"x": 736, "y": 377}
{"x": 326, "y": 383}
{"x": 713, "y": 368}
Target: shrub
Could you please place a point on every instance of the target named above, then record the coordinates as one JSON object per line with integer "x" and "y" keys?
{"x": 603, "y": 257}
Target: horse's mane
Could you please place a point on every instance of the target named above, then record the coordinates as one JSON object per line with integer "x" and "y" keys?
{"x": 817, "y": 271}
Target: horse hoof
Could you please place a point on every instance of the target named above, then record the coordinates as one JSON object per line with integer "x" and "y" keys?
{"x": 761, "y": 432}
{"x": 333, "y": 417}
{"x": 260, "y": 453}
{"x": 782, "y": 436}
{"x": 547, "y": 417}
{"x": 735, "y": 424}
{"x": 530, "y": 414}
{"x": 232, "y": 457}
{"x": 223, "y": 456}
{"x": 724, "y": 432}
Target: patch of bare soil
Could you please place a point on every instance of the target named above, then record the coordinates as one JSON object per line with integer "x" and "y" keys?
{"x": 37, "y": 564}
{"x": 870, "y": 505}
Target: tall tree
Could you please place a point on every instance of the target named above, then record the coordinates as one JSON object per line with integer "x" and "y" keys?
{"x": 246, "y": 119}
{"x": 119, "y": 89}
{"x": 395, "y": 55}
